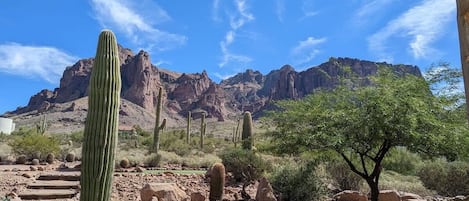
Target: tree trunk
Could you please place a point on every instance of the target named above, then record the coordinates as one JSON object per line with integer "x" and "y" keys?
{"x": 463, "y": 29}
{"x": 373, "y": 188}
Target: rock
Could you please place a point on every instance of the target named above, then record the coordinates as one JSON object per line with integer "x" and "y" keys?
{"x": 139, "y": 169}
{"x": 27, "y": 175}
{"x": 197, "y": 197}
{"x": 349, "y": 195}
{"x": 32, "y": 168}
{"x": 265, "y": 191}
{"x": 410, "y": 196}
{"x": 389, "y": 195}
{"x": 40, "y": 168}
{"x": 163, "y": 191}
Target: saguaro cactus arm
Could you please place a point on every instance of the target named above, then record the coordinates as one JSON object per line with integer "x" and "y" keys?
{"x": 100, "y": 135}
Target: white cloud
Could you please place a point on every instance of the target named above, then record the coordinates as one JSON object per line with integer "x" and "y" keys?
{"x": 423, "y": 24}
{"x": 137, "y": 23}
{"x": 238, "y": 18}
{"x": 280, "y": 9}
{"x": 371, "y": 8}
{"x": 224, "y": 76}
{"x": 229, "y": 57}
{"x": 306, "y": 50}
{"x": 309, "y": 9}
{"x": 47, "y": 63}
{"x": 215, "y": 6}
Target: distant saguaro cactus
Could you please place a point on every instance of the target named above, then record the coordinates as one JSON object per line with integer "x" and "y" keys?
{"x": 42, "y": 126}
{"x": 100, "y": 135}
{"x": 246, "y": 135}
{"x": 188, "y": 133}
{"x": 203, "y": 127}
{"x": 217, "y": 182}
{"x": 158, "y": 127}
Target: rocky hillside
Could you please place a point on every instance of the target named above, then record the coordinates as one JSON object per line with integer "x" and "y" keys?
{"x": 247, "y": 91}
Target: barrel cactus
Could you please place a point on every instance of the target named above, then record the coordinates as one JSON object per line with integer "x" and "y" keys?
{"x": 217, "y": 182}
{"x": 100, "y": 135}
{"x": 246, "y": 135}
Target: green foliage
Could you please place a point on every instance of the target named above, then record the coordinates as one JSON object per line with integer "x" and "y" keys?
{"x": 402, "y": 161}
{"x": 448, "y": 179}
{"x": 153, "y": 160}
{"x": 32, "y": 144}
{"x": 245, "y": 165}
{"x": 298, "y": 182}
{"x": 365, "y": 122}
{"x": 342, "y": 176}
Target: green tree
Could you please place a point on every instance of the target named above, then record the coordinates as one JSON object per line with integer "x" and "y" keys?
{"x": 363, "y": 123}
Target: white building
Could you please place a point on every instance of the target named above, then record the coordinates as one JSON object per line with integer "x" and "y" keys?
{"x": 6, "y": 125}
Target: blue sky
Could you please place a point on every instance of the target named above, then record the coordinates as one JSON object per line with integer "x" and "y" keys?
{"x": 39, "y": 39}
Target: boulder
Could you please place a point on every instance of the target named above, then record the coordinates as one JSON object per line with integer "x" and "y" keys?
{"x": 349, "y": 195}
{"x": 265, "y": 191}
{"x": 389, "y": 195}
{"x": 197, "y": 197}
{"x": 410, "y": 196}
{"x": 163, "y": 191}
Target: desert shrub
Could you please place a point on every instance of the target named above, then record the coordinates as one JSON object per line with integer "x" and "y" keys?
{"x": 244, "y": 164}
{"x": 401, "y": 183}
{"x": 21, "y": 159}
{"x": 153, "y": 160}
{"x": 298, "y": 182}
{"x": 34, "y": 145}
{"x": 448, "y": 179}
{"x": 77, "y": 137}
{"x": 342, "y": 176}
{"x": 402, "y": 161}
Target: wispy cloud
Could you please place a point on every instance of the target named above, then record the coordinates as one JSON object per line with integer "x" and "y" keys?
{"x": 238, "y": 18}
{"x": 306, "y": 50}
{"x": 215, "y": 6}
{"x": 370, "y": 8}
{"x": 223, "y": 76}
{"x": 422, "y": 25}
{"x": 280, "y": 9}
{"x": 137, "y": 22}
{"x": 47, "y": 63}
{"x": 309, "y": 9}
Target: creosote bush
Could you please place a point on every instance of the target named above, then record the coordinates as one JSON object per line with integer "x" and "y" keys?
{"x": 298, "y": 182}
{"x": 244, "y": 164}
{"x": 448, "y": 179}
{"x": 34, "y": 145}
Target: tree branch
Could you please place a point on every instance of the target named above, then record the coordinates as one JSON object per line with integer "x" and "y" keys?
{"x": 352, "y": 166}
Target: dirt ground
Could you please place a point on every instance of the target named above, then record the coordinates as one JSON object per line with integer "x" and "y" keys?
{"x": 127, "y": 185}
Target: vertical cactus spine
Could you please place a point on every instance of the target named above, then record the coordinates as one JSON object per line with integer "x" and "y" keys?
{"x": 188, "y": 137}
{"x": 203, "y": 127}
{"x": 100, "y": 135}
{"x": 158, "y": 127}
{"x": 217, "y": 182}
{"x": 246, "y": 135}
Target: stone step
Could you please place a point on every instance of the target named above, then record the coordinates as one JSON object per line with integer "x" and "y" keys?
{"x": 54, "y": 184}
{"x": 66, "y": 176}
{"x": 42, "y": 194}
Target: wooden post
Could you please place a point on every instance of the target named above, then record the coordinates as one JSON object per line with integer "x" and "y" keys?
{"x": 463, "y": 29}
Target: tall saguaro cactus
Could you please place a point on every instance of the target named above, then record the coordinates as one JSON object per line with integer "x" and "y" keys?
{"x": 100, "y": 135}
{"x": 463, "y": 29}
{"x": 246, "y": 135}
{"x": 158, "y": 127}
{"x": 188, "y": 133}
{"x": 203, "y": 126}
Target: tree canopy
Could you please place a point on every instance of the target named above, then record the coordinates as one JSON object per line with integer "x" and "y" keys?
{"x": 363, "y": 122}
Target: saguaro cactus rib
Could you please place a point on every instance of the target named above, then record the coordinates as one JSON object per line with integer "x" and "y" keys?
{"x": 100, "y": 135}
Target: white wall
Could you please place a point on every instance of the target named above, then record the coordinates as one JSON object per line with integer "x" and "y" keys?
{"x": 6, "y": 125}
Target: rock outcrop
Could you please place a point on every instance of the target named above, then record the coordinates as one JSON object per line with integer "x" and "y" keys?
{"x": 196, "y": 92}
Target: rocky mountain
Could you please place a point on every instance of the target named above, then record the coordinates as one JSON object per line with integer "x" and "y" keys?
{"x": 184, "y": 92}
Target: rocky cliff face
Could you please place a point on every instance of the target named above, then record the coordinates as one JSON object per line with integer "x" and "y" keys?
{"x": 247, "y": 91}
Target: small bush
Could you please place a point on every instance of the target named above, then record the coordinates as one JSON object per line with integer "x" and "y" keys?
{"x": 244, "y": 164}
{"x": 298, "y": 182}
{"x": 448, "y": 179}
{"x": 21, "y": 159}
{"x": 153, "y": 160}
{"x": 34, "y": 145}
{"x": 402, "y": 161}
{"x": 342, "y": 176}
